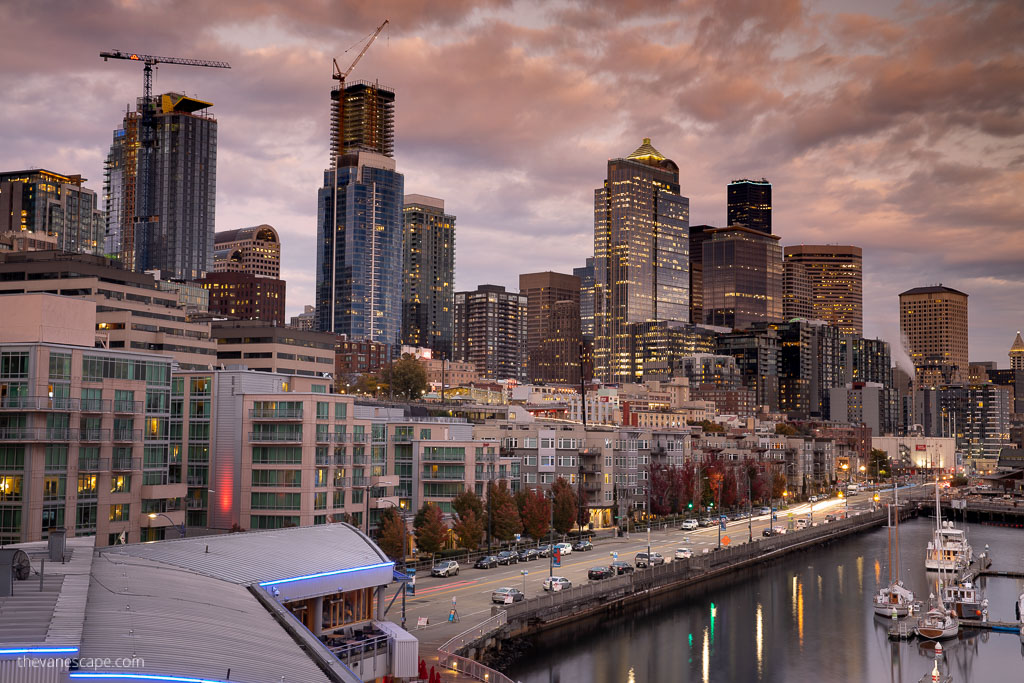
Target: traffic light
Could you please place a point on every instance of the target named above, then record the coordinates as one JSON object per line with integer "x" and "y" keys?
{"x": 689, "y": 506}
{"x": 711, "y": 506}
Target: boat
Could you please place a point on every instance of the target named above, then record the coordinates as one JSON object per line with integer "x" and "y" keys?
{"x": 894, "y": 598}
{"x": 937, "y": 623}
{"x": 1020, "y": 615}
{"x": 948, "y": 550}
{"x": 964, "y": 600}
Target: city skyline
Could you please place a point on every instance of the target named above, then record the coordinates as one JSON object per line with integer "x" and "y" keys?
{"x": 511, "y": 111}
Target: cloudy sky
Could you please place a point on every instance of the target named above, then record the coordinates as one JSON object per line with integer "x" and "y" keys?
{"x": 896, "y": 126}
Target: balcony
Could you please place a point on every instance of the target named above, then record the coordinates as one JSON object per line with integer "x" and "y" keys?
{"x": 323, "y": 459}
{"x": 90, "y": 464}
{"x": 94, "y": 435}
{"x": 163, "y": 491}
{"x": 95, "y": 405}
{"x": 360, "y": 459}
{"x": 360, "y": 482}
{"x": 442, "y": 476}
{"x": 360, "y": 438}
{"x": 279, "y": 437}
{"x": 591, "y": 450}
{"x": 37, "y": 434}
{"x": 128, "y": 407}
{"x": 195, "y": 504}
{"x": 401, "y": 438}
{"x": 197, "y": 481}
{"x": 341, "y": 482}
{"x": 127, "y": 435}
{"x": 340, "y": 460}
{"x": 275, "y": 413}
{"x": 38, "y": 403}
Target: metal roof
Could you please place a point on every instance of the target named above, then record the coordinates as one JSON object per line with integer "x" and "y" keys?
{"x": 178, "y": 623}
{"x": 262, "y": 556}
{"x": 935, "y": 289}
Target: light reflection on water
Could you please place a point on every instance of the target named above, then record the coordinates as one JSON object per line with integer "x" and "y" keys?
{"x": 832, "y": 635}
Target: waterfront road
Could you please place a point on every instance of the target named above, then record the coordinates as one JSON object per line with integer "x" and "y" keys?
{"x": 469, "y": 593}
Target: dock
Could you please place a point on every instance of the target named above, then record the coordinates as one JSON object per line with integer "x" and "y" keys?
{"x": 1007, "y": 626}
{"x": 1010, "y": 575}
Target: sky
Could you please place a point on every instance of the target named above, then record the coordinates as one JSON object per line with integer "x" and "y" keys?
{"x": 894, "y": 126}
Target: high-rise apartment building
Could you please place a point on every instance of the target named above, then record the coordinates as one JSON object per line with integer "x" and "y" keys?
{"x": 362, "y": 119}
{"x": 1017, "y": 353}
{"x": 586, "y": 276}
{"x": 866, "y": 360}
{"x": 749, "y": 203}
{"x": 490, "y": 331}
{"x": 933, "y": 322}
{"x": 742, "y": 278}
{"x": 641, "y": 255}
{"x": 825, "y": 282}
{"x": 428, "y": 288}
{"x": 255, "y": 250}
{"x": 169, "y": 228}
{"x": 47, "y": 204}
{"x": 553, "y": 335}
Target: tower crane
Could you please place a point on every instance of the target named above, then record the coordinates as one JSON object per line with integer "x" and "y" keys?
{"x": 340, "y": 76}
{"x": 144, "y": 200}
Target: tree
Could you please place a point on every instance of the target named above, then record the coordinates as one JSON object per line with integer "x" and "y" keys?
{"x": 659, "y": 479}
{"x": 536, "y": 514}
{"x": 778, "y": 484}
{"x": 430, "y": 529}
{"x": 368, "y": 383}
{"x": 469, "y": 530}
{"x": 709, "y": 426}
{"x": 391, "y": 534}
{"x": 520, "y": 498}
{"x": 505, "y": 521}
{"x": 958, "y": 480}
{"x": 878, "y": 464}
{"x": 565, "y": 506}
{"x": 406, "y": 378}
{"x": 468, "y": 501}
{"x": 786, "y": 429}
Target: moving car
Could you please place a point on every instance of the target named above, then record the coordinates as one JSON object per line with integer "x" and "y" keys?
{"x": 507, "y": 557}
{"x": 641, "y": 560}
{"x": 445, "y": 568}
{"x": 500, "y": 595}
{"x": 544, "y": 551}
{"x": 683, "y": 553}
{"x": 486, "y": 562}
{"x": 563, "y": 548}
{"x": 621, "y": 567}
{"x": 705, "y": 521}
{"x": 583, "y": 545}
{"x": 813, "y": 499}
{"x": 561, "y": 582}
{"x": 765, "y": 511}
{"x": 768, "y": 531}
{"x": 598, "y": 573}
{"x": 689, "y": 525}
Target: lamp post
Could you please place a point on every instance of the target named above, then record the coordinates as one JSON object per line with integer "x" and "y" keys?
{"x": 179, "y": 527}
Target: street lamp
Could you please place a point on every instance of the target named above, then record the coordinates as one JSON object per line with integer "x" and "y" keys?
{"x": 179, "y": 527}
{"x": 862, "y": 470}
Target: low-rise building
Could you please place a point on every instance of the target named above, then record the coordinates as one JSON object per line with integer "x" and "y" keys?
{"x": 271, "y": 348}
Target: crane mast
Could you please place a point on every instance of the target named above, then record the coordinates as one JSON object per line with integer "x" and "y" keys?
{"x": 340, "y": 76}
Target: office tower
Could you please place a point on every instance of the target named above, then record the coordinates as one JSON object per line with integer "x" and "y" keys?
{"x": 46, "y": 204}
{"x": 655, "y": 346}
{"x": 171, "y": 230}
{"x": 490, "y": 332}
{"x": 553, "y": 334}
{"x": 362, "y": 120}
{"x": 933, "y": 323}
{"x": 586, "y": 276}
{"x": 641, "y": 259}
{"x": 750, "y": 204}
{"x": 241, "y": 296}
{"x": 757, "y": 358}
{"x": 825, "y": 282}
{"x": 709, "y": 369}
{"x": 255, "y": 250}
{"x": 428, "y": 294}
{"x": 810, "y": 364}
{"x": 1014, "y": 379}
{"x": 742, "y": 277}
{"x": 698, "y": 233}
{"x": 866, "y": 360}
{"x": 1017, "y": 353}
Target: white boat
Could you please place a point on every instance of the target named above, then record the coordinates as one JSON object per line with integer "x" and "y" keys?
{"x": 948, "y": 550}
{"x": 965, "y": 600}
{"x": 1020, "y": 615}
{"x": 895, "y": 597}
{"x": 938, "y": 623}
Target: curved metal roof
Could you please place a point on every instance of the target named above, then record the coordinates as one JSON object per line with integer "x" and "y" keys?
{"x": 264, "y": 232}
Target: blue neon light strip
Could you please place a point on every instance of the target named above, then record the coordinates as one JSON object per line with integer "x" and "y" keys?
{"x": 144, "y": 677}
{"x": 334, "y": 573}
{"x": 38, "y": 650}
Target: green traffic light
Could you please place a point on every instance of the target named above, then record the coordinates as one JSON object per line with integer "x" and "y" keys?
{"x": 689, "y": 505}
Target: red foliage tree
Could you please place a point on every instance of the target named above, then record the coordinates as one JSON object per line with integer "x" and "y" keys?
{"x": 536, "y": 514}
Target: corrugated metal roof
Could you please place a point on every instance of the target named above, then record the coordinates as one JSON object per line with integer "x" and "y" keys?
{"x": 178, "y": 623}
{"x": 261, "y": 556}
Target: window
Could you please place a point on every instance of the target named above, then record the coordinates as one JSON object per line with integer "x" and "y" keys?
{"x": 54, "y": 487}
{"x": 323, "y": 410}
{"x": 271, "y": 455}
{"x": 119, "y": 512}
{"x": 13, "y": 364}
{"x": 425, "y": 434}
{"x": 120, "y": 483}
{"x": 273, "y": 521}
{"x": 60, "y": 365}
{"x": 12, "y": 457}
{"x": 199, "y": 386}
{"x": 85, "y": 516}
{"x": 275, "y": 501}
{"x": 277, "y": 478}
{"x": 10, "y": 488}
{"x": 57, "y": 457}
{"x": 340, "y": 411}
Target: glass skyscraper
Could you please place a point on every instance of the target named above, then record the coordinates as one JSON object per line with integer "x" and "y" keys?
{"x": 750, "y": 204}
{"x": 428, "y": 293}
{"x": 641, "y": 255}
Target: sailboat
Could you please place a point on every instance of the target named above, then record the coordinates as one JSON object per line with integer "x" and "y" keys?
{"x": 948, "y": 550}
{"x": 938, "y": 622}
{"x": 894, "y": 598}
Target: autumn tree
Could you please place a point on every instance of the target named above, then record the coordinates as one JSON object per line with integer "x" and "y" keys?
{"x": 505, "y": 521}
{"x": 430, "y": 529}
{"x": 659, "y": 479}
{"x": 467, "y": 501}
{"x": 564, "y": 506}
{"x": 778, "y": 484}
{"x": 367, "y": 383}
{"x": 405, "y": 378}
{"x": 536, "y": 514}
{"x": 391, "y": 534}
{"x": 469, "y": 530}
{"x": 784, "y": 429}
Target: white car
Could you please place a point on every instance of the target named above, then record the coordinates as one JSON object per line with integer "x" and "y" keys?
{"x": 683, "y": 553}
{"x": 689, "y": 525}
{"x": 563, "y": 548}
{"x": 561, "y": 582}
{"x": 446, "y": 568}
{"x": 813, "y": 499}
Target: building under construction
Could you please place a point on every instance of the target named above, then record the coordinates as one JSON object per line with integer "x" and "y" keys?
{"x": 363, "y": 120}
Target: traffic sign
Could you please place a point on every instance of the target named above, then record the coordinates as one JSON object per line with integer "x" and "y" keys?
{"x": 725, "y": 540}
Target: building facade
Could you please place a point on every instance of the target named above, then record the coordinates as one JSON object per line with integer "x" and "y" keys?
{"x": 933, "y": 321}
{"x": 553, "y": 327}
{"x": 825, "y": 282}
{"x": 641, "y": 254}
{"x": 362, "y": 120}
{"x": 698, "y": 234}
{"x": 272, "y": 348}
{"x": 255, "y": 250}
{"x": 742, "y": 278}
{"x": 428, "y": 288}
{"x": 586, "y": 276}
{"x": 1017, "y": 353}
{"x": 242, "y": 296}
{"x": 866, "y": 403}
{"x": 749, "y": 203}
{"x": 43, "y": 203}
{"x": 490, "y": 331}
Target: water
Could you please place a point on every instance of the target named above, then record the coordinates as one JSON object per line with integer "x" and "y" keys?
{"x": 804, "y": 618}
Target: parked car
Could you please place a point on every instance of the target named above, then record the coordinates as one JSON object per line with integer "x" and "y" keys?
{"x": 445, "y": 568}
{"x": 641, "y": 560}
{"x": 531, "y": 554}
{"x": 499, "y": 595}
{"x": 765, "y": 511}
{"x": 544, "y": 551}
{"x": 813, "y": 499}
{"x": 621, "y": 567}
{"x": 598, "y": 573}
{"x": 683, "y": 553}
{"x": 689, "y": 525}
{"x": 507, "y": 557}
{"x": 486, "y": 562}
{"x": 802, "y": 524}
{"x": 560, "y": 581}
{"x": 583, "y": 545}
{"x": 768, "y": 532}
{"x": 705, "y": 521}
{"x": 563, "y": 548}
{"x": 780, "y": 530}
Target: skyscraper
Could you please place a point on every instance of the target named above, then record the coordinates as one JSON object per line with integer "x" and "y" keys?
{"x": 641, "y": 258}
{"x": 428, "y": 294}
{"x": 360, "y": 231}
{"x": 255, "y": 250}
{"x": 742, "y": 277}
{"x": 172, "y": 229}
{"x": 1017, "y": 353}
{"x": 490, "y": 331}
{"x": 933, "y": 322}
{"x": 750, "y": 204}
{"x": 698, "y": 233}
{"x": 45, "y": 203}
{"x": 825, "y": 281}
{"x": 552, "y": 327}
{"x": 586, "y": 276}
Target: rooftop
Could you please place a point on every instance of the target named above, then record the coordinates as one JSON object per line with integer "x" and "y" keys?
{"x": 933, "y": 289}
